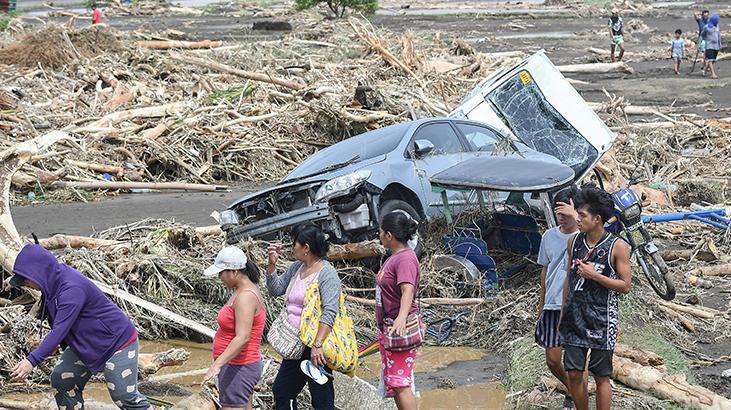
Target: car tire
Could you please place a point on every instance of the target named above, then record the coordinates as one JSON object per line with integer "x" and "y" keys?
{"x": 397, "y": 205}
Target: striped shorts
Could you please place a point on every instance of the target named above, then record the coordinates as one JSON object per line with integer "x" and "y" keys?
{"x": 547, "y": 329}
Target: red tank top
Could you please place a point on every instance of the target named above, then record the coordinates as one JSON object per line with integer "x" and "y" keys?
{"x": 227, "y": 331}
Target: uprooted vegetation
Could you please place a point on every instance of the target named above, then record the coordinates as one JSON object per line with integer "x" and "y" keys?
{"x": 186, "y": 119}
{"x": 145, "y": 115}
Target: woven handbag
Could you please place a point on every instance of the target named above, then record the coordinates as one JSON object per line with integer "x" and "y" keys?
{"x": 412, "y": 339}
{"x": 283, "y": 337}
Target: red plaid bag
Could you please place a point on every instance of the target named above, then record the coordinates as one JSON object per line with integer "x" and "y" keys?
{"x": 412, "y": 339}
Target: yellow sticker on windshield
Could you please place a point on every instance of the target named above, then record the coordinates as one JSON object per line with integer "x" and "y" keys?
{"x": 525, "y": 77}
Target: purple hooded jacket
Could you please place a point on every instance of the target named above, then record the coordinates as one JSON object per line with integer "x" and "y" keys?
{"x": 82, "y": 316}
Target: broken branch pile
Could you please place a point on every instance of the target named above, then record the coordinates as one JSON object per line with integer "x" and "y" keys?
{"x": 249, "y": 113}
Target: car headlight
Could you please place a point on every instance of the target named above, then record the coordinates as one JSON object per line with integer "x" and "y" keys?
{"x": 229, "y": 217}
{"x": 632, "y": 212}
{"x": 341, "y": 185}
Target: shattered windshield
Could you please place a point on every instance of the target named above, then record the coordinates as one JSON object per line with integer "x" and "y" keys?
{"x": 535, "y": 122}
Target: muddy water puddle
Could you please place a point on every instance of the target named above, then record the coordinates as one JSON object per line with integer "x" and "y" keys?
{"x": 447, "y": 377}
{"x": 450, "y": 377}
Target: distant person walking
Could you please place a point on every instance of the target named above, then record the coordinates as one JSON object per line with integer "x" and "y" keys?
{"x": 96, "y": 15}
{"x": 702, "y": 21}
{"x": 712, "y": 36}
{"x": 677, "y": 50}
{"x": 616, "y": 31}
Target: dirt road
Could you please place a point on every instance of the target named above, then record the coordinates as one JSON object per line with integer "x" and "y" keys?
{"x": 78, "y": 218}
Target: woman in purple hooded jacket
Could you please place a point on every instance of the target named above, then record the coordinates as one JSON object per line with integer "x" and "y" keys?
{"x": 98, "y": 334}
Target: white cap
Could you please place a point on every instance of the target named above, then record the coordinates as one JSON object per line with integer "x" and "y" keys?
{"x": 229, "y": 257}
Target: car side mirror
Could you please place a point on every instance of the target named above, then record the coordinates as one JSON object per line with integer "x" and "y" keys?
{"x": 422, "y": 148}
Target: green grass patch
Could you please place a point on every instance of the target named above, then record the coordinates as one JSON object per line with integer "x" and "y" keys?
{"x": 636, "y": 333}
{"x": 234, "y": 94}
{"x": 527, "y": 365}
{"x": 5, "y": 20}
{"x": 651, "y": 340}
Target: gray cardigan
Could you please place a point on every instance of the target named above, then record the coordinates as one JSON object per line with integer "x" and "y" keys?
{"x": 329, "y": 286}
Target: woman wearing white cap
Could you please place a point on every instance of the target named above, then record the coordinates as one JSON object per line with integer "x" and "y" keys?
{"x": 241, "y": 323}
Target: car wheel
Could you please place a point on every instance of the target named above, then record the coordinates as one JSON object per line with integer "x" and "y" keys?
{"x": 396, "y": 205}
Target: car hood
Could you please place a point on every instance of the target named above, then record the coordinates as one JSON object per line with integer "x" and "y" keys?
{"x": 563, "y": 125}
{"x": 315, "y": 179}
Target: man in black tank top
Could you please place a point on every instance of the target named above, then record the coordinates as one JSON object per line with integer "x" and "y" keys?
{"x": 599, "y": 269}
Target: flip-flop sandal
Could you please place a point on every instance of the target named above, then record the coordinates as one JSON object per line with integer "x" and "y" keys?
{"x": 568, "y": 402}
{"x": 318, "y": 375}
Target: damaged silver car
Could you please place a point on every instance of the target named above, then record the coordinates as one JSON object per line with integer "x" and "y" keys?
{"x": 530, "y": 111}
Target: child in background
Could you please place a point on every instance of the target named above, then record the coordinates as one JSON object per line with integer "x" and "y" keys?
{"x": 96, "y": 16}
{"x": 677, "y": 47}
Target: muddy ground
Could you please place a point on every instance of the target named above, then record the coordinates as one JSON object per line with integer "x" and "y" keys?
{"x": 564, "y": 37}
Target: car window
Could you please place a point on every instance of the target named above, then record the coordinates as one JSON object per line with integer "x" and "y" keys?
{"x": 443, "y": 137}
{"x": 480, "y": 138}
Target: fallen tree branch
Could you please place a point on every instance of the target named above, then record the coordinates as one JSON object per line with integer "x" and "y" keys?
{"x": 119, "y": 116}
{"x": 597, "y": 68}
{"x": 101, "y": 168}
{"x": 151, "y": 363}
{"x": 70, "y": 241}
{"x": 213, "y": 65}
{"x": 718, "y": 270}
{"x": 703, "y": 313}
{"x": 159, "y": 310}
{"x": 664, "y": 386}
{"x": 643, "y": 357}
{"x": 166, "y": 45}
{"x": 425, "y": 301}
{"x": 684, "y": 321}
{"x": 355, "y": 251}
{"x": 140, "y": 185}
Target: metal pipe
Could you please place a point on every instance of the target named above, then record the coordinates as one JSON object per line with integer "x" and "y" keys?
{"x": 708, "y": 221}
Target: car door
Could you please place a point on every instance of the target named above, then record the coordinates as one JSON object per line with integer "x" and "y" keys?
{"x": 449, "y": 149}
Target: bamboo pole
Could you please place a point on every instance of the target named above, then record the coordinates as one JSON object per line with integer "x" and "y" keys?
{"x": 213, "y": 65}
{"x": 140, "y": 185}
{"x": 166, "y": 45}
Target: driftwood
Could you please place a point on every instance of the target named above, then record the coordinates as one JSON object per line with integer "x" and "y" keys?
{"x": 597, "y": 68}
{"x": 697, "y": 311}
{"x": 684, "y": 321}
{"x": 687, "y": 254}
{"x": 425, "y": 301}
{"x": 356, "y": 251}
{"x": 664, "y": 386}
{"x": 159, "y": 310}
{"x": 140, "y": 185}
{"x": 151, "y": 363}
{"x": 718, "y": 270}
{"x": 607, "y": 53}
{"x": 147, "y": 112}
{"x": 643, "y": 357}
{"x": 10, "y": 161}
{"x": 166, "y": 45}
{"x": 50, "y": 403}
{"x": 213, "y": 65}
{"x": 173, "y": 376}
{"x": 70, "y": 241}
{"x": 102, "y": 168}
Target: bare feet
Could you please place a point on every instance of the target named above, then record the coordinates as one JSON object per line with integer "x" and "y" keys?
{"x": 714, "y": 77}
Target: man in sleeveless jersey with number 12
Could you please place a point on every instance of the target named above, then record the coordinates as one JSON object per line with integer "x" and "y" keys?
{"x": 599, "y": 269}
